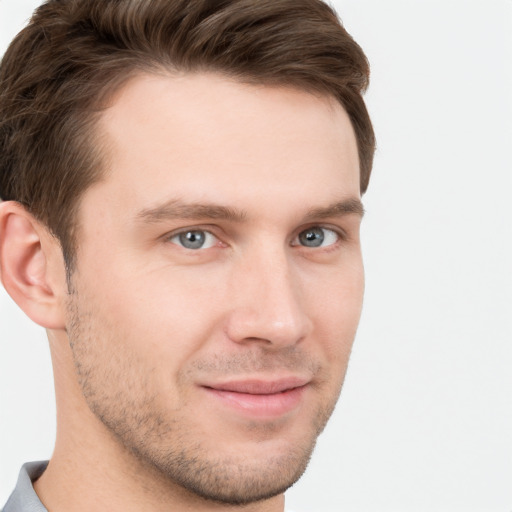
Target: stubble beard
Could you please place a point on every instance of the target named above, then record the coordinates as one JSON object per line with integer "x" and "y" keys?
{"x": 119, "y": 394}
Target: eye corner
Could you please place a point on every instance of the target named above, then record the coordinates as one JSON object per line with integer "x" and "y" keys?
{"x": 192, "y": 239}
{"x": 319, "y": 237}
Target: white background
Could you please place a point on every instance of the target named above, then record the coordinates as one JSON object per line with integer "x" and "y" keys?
{"x": 425, "y": 418}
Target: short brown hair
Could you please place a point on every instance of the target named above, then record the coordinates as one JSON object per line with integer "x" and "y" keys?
{"x": 58, "y": 73}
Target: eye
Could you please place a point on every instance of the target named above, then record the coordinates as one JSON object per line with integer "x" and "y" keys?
{"x": 316, "y": 237}
{"x": 194, "y": 239}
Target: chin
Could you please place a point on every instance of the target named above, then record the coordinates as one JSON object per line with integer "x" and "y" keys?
{"x": 237, "y": 480}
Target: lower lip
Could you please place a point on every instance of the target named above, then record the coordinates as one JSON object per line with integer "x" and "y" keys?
{"x": 271, "y": 405}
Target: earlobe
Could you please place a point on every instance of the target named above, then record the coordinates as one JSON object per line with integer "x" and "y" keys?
{"x": 29, "y": 266}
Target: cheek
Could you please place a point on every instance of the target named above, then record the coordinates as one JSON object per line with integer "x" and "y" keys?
{"x": 159, "y": 320}
{"x": 337, "y": 311}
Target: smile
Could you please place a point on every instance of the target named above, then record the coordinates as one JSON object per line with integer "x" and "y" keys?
{"x": 260, "y": 399}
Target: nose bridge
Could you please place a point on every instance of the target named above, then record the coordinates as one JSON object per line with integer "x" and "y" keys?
{"x": 268, "y": 303}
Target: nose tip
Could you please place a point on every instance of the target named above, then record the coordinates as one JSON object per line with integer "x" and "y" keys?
{"x": 269, "y": 310}
{"x": 256, "y": 326}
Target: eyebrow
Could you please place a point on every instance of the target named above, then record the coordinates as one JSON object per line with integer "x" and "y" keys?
{"x": 177, "y": 209}
{"x": 351, "y": 206}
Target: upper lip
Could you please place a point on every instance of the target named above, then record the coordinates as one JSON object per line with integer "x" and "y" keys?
{"x": 259, "y": 386}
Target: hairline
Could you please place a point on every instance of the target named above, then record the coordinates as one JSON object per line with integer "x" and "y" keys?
{"x": 99, "y": 144}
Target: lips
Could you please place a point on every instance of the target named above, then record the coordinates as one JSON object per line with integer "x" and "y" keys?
{"x": 260, "y": 387}
{"x": 259, "y": 398}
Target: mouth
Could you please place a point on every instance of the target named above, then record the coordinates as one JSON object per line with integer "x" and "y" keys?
{"x": 260, "y": 398}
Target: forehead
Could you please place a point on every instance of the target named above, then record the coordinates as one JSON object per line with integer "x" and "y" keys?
{"x": 209, "y": 137}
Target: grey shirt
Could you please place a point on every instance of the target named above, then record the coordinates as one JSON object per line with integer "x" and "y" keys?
{"x": 24, "y": 498}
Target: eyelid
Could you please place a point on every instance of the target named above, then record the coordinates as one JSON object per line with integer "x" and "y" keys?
{"x": 168, "y": 237}
{"x": 213, "y": 230}
{"x": 204, "y": 227}
{"x": 340, "y": 232}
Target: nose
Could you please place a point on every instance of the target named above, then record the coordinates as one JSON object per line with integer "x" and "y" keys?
{"x": 268, "y": 303}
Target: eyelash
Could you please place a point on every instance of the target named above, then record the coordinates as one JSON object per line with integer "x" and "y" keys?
{"x": 327, "y": 232}
{"x": 340, "y": 234}
{"x": 198, "y": 229}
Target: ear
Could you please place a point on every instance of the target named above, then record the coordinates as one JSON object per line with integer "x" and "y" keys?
{"x": 32, "y": 267}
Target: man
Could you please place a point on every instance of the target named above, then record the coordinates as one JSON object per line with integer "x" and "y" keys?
{"x": 181, "y": 185}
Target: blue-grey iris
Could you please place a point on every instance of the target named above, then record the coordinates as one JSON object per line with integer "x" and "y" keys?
{"x": 313, "y": 237}
{"x": 192, "y": 239}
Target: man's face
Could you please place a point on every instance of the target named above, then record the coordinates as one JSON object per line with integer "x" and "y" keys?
{"x": 219, "y": 280}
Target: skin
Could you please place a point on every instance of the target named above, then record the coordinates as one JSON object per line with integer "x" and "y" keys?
{"x": 150, "y": 329}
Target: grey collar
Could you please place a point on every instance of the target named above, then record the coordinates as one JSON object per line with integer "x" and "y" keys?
{"x": 24, "y": 498}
